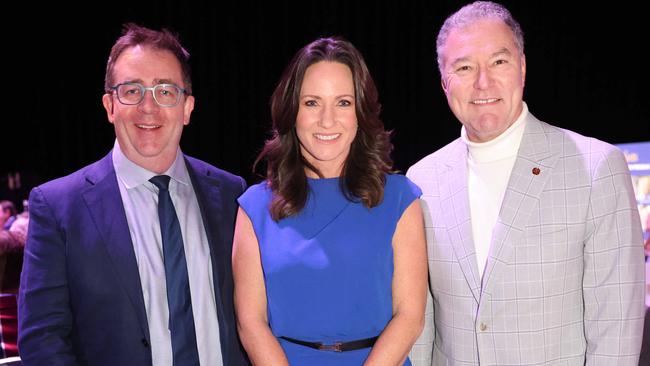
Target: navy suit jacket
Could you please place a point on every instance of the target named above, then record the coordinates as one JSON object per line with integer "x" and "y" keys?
{"x": 80, "y": 300}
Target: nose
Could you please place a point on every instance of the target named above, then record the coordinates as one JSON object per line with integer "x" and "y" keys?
{"x": 148, "y": 104}
{"x": 483, "y": 79}
{"x": 327, "y": 117}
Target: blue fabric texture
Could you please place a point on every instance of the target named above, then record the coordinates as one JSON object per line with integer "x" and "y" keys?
{"x": 328, "y": 270}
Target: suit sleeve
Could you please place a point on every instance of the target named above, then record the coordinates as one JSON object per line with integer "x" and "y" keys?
{"x": 44, "y": 314}
{"x": 242, "y": 182}
{"x": 613, "y": 282}
{"x": 422, "y": 351}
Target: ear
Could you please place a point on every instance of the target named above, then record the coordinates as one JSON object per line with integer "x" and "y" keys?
{"x": 523, "y": 70}
{"x": 444, "y": 84}
{"x": 107, "y": 101}
{"x": 188, "y": 107}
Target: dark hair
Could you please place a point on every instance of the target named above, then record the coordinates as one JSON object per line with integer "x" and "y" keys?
{"x": 134, "y": 35}
{"x": 363, "y": 174}
{"x": 8, "y": 206}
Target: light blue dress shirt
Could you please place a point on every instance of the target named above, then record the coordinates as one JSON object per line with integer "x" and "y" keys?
{"x": 140, "y": 199}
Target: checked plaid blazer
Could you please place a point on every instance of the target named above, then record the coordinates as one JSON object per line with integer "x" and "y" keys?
{"x": 564, "y": 279}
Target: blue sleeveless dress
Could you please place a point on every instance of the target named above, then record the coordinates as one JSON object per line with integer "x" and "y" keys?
{"x": 328, "y": 270}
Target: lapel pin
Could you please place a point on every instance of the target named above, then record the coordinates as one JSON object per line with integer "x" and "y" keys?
{"x": 536, "y": 171}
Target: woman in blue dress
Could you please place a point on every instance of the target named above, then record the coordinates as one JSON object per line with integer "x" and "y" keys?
{"x": 329, "y": 254}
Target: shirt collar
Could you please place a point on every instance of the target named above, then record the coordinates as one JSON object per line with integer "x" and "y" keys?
{"x": 133, "y": 175}
{"x": 503, "y": 146}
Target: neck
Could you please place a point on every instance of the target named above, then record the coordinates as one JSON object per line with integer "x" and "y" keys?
{"x": 157, "y": 164}
{"x": 333, "y": 173}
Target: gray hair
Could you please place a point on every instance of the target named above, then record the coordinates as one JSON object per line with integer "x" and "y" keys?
{"x": 472, "y": 13}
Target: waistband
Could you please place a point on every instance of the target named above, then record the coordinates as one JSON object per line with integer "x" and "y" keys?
{"x": 336, "y": 346}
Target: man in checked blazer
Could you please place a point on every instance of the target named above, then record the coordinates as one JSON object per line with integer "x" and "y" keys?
{"x": 534, "y": 240}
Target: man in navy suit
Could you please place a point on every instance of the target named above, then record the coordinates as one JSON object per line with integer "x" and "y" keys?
{"x": 93, "y": 288}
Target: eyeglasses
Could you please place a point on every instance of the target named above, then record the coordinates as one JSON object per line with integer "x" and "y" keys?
{"x": 166, "y": 95}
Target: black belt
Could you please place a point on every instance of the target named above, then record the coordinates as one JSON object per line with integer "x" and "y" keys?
{"x": 336, "y": 346}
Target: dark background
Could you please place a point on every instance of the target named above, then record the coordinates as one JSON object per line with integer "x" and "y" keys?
{"x": 585, "y": 71}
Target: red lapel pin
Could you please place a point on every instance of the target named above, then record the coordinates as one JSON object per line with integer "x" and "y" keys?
{"x": 536, "y": 171}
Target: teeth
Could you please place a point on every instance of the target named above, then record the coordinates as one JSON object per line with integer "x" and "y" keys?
{"x": 327, "y": 137}
{"x": 485, "y": 101}
{"x": 148, "y": 127}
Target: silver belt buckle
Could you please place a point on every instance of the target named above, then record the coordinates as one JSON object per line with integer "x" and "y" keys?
{"x": 335, "y": 347}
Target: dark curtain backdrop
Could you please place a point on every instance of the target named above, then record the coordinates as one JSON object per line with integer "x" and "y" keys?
{"x": 584, "y": 61}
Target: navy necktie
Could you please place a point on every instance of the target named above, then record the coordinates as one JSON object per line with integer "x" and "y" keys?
{"x": 181, "y": 320}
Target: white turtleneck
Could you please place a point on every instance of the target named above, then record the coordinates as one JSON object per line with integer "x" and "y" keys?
{"x": 489, "y": 165}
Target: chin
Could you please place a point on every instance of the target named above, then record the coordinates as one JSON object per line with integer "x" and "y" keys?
{"x": 149, "y": 152}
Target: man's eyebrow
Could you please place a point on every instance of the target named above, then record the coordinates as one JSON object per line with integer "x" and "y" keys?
{"x": 459, "y": 60}
{"x": 163, "y": 81}
{"x": 502, "y": 51}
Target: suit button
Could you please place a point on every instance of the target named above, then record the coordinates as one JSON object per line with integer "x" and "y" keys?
{"x": 482, "y": 327}
{"x": 145, "y": 342}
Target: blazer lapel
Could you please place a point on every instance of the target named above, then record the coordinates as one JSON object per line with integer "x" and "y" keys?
{"x": 532, "y": 169}
{"x": 454, "y": 199}
{"x": 209, "y": 198}
{"x": 105, "y": 206}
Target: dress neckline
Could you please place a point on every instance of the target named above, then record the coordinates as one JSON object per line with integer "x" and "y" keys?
{"x": 322, "y": 180}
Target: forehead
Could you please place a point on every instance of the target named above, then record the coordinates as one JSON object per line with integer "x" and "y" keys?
{"x": 147, "y": 64}
{"x": 482, "y": 37}
{"x": 330, "y": 73}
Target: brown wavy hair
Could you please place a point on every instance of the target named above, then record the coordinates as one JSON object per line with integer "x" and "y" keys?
{"x": 363, "y": 174}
